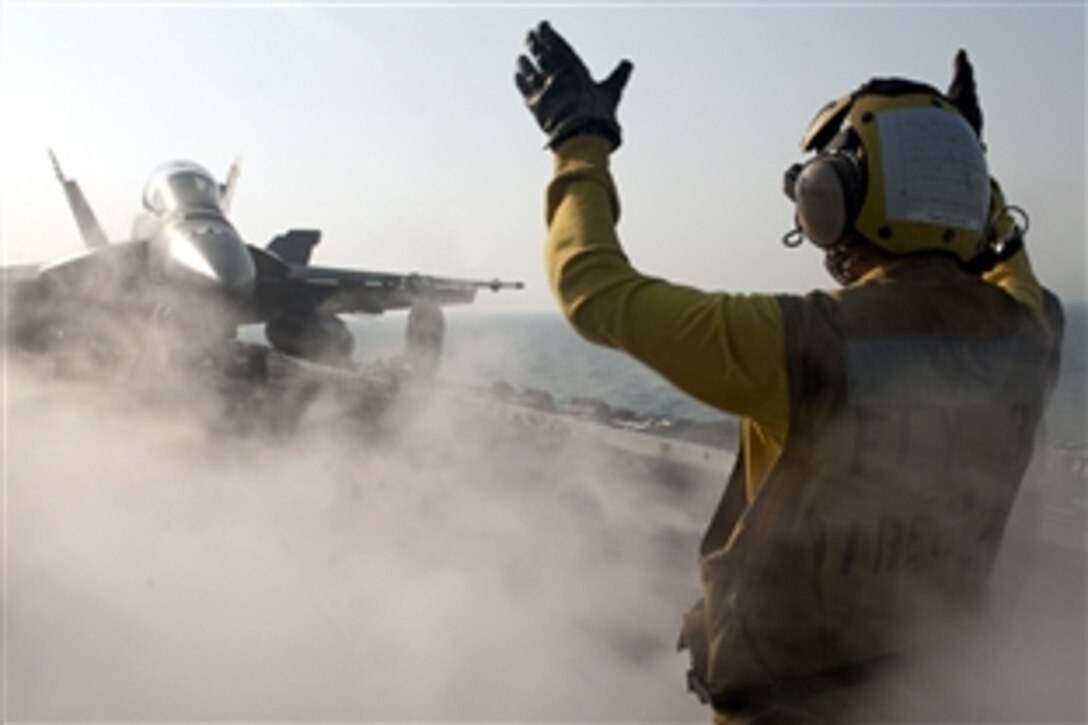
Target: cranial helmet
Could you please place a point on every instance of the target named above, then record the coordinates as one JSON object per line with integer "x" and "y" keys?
{"x": 898, "y": 164}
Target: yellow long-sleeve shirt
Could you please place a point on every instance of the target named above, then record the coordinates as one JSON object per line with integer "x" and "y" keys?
{"x": 727, "y": 350}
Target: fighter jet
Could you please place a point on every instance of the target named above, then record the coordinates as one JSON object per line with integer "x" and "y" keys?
{"x": 187, "y": 269}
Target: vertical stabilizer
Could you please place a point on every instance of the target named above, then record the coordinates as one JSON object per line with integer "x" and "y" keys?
{"x": 89, "y": 228}
{"x": 227, "y": 189}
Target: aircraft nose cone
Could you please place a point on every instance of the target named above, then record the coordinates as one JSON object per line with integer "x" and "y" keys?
{"x": 235, "y": 271}
{"x": 215, "y": 257}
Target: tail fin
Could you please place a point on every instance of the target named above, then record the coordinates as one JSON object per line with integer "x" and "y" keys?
{"x": 89, "y": 228}
{"x": 226, "y": 189}
{"x": 295, "y": 246}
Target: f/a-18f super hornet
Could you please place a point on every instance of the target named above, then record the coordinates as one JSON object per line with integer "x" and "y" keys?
{"x": 187, "y": 269}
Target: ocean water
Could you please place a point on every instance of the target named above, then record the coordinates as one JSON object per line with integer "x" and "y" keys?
{"x": 541, "y": 351}
{"x": 536, "y": 351}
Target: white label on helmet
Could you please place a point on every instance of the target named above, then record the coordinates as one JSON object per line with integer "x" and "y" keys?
{"x": 934, "y": 170}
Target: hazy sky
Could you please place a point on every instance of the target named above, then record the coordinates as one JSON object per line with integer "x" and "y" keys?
{"x": 397, "y": 129}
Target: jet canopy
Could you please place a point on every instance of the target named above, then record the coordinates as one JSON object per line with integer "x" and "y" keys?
{"x": 179, "y": 186}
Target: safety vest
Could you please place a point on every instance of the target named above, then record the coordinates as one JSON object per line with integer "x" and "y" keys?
{"x": 914, "y": 401}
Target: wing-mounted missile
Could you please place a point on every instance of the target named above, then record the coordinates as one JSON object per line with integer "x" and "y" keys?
{"x": 448, "y": 291}
{"x": 497, "y": 284}
{"x": 377, "y": 292}
{"x": 89, "y": 228}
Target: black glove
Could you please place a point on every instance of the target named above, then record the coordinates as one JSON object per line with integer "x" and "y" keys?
{"x": 561, "y": 94}
{"x": 962, "y": 93}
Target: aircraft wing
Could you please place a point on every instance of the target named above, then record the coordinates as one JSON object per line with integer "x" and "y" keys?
{"x": 345, "y": 290}
{"x": 100, "y": 272}
{"x": 18, "y": 274}
{"x": 20, "y": 289}
{"x": 18, "y": 293}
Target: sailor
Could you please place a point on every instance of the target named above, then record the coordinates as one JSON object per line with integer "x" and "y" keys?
{"x": 887, "y": 423}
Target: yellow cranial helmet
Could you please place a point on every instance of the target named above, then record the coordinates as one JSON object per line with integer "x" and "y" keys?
{"x": 898, "y": 164}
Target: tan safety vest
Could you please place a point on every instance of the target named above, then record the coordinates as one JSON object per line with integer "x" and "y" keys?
{"x": 914, "y": 401}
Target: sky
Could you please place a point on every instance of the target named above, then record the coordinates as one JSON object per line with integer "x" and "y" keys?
{"x": 397, "y": 130}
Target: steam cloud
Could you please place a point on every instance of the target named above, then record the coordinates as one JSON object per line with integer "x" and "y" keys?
{"x": 437, "y": 567}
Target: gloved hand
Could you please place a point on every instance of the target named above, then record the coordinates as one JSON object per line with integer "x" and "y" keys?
{"x": 962, "y": 93}
{"x": 561, "y": 94}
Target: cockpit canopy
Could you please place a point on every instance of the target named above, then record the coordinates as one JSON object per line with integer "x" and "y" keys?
{"x": 181, "y": 185}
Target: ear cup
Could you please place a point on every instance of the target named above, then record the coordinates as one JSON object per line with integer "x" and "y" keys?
{"x": 828, "y": 193}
